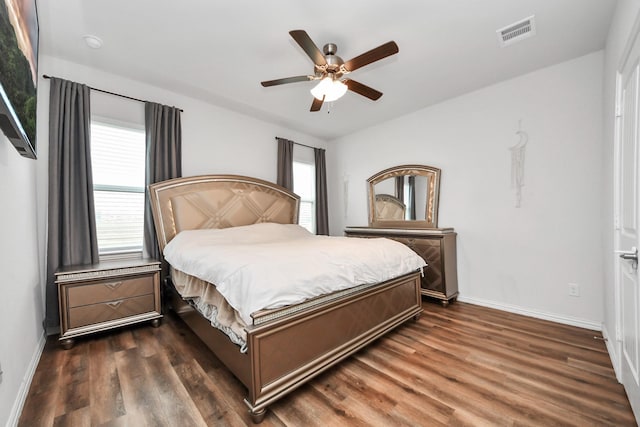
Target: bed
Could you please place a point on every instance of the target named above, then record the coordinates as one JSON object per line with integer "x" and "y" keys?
{"x": 288, "y": 346}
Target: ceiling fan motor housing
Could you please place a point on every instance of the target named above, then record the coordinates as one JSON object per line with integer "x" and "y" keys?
{"x": 334, "y": 62}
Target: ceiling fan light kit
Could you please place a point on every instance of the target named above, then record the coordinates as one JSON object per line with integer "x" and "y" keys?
{"x": 329, "y": 68}
{"x": 328, "y": 90}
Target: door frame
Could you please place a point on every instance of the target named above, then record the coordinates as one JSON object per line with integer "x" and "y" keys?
{"x": 615, "y": 348}
{"x": 614, "y": 344}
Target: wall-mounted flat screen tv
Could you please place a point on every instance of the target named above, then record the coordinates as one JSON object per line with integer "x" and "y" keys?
{"x": 19, "y": 73}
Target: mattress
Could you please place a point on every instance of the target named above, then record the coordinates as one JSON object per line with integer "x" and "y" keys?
{"x": 263, "y": 272}
{"x": 205, "y": 298}
{"x": 264, "y": 266}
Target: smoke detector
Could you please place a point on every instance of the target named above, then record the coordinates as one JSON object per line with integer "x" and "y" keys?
{"x": 92, "y": 41}
{"x": 517, "y": 31}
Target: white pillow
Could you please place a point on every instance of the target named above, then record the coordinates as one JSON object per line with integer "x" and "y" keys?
{"x": 247, "y": 234}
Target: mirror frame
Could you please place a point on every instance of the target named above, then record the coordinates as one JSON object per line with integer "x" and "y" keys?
{"x": 433, "y": 195}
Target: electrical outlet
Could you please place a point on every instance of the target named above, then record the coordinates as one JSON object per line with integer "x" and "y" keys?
{"x": 574, "y": 290}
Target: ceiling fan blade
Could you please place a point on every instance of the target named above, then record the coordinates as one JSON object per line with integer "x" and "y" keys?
{"x": 302, "y": 38}
{"x": 285, "y": 80}
{"x": 316, "y": 104}
{"x": 387, "y": 49}
{"x": 363, "y": 90}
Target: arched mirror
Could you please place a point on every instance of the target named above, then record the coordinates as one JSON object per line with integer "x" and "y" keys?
{"x": 404, "y": 196}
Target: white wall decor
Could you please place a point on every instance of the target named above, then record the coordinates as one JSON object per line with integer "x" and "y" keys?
{"x": 346, "y": 194}
{"x": 517, "y": 163}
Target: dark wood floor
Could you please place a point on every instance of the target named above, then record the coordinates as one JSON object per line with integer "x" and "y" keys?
{"x": 461, "y": 365}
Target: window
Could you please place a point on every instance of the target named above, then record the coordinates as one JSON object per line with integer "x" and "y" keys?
{"x": 118, "y": 163}
{"x": 304, "y": 185}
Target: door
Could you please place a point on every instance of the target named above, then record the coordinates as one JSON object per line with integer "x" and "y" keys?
{"x": 627, "y": 227}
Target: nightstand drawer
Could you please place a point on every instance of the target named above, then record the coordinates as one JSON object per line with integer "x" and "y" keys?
{"x": 112, "y": 310}
{"x": 109, "y": 290}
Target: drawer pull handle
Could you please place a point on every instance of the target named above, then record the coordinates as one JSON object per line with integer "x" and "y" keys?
{"x": 113, "y": 285}
{"x": 114, "y": 304}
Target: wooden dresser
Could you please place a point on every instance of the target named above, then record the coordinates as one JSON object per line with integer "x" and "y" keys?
{"x": 106, "y": 295}
{"x": 437, "y": 246}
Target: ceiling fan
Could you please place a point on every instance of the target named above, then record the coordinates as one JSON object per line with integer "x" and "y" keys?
{"x": 329, "y": 68}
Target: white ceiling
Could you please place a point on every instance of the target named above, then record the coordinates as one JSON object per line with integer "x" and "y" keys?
{"x": 219, "y": 51}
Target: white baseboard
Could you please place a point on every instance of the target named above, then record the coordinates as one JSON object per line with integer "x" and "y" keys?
{"x": 21, "y": 397}
{"x": 612, "y": 349}
{"x": 566, "y": 320}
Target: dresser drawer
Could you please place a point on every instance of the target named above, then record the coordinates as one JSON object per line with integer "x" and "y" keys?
{"x": 437, "y": 248}
{"x": 109, "y": 290}
{"x": 430, "y": 251}
{"x": 103, "y": 312}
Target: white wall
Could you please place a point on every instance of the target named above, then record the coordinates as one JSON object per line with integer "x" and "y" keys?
{"x": 519, "y": 259}
{"x": 22, "y": 309}
{"x": 626, "y": 13}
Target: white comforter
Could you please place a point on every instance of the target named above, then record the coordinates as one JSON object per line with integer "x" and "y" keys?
{"x": 272, "y": 265}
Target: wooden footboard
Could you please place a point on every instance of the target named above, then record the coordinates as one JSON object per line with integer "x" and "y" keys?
{"x": 285, "y": 354}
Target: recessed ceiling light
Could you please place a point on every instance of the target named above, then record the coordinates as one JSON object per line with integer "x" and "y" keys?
{"x": 92, "y": 41}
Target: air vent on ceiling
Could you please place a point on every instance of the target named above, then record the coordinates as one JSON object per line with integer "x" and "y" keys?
{"x": 517, "y": 31}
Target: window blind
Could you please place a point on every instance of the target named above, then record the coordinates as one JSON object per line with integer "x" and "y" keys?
{"x": 304, "y": 186}
{"x": 118, "y": 162}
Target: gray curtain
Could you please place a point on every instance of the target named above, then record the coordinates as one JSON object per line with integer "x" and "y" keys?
{"x": 412, "y": 197}
{"x": 400, "y": 188}
{"x": 285, "y": 163}
{"x": 163, "y": 160}
{"x": 71, "y": 236}
{"x": 322, "y": 217}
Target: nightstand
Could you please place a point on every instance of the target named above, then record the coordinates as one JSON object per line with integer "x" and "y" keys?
{"x": 107, "y": 295}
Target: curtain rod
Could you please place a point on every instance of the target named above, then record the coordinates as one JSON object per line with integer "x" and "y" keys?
{"x": 297, "y": 143}
{"x": 113, "y": 93}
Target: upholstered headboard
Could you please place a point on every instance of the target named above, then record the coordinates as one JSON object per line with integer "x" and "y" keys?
{"x": 389, "y": 207}
{"x": 218, "y": 201}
